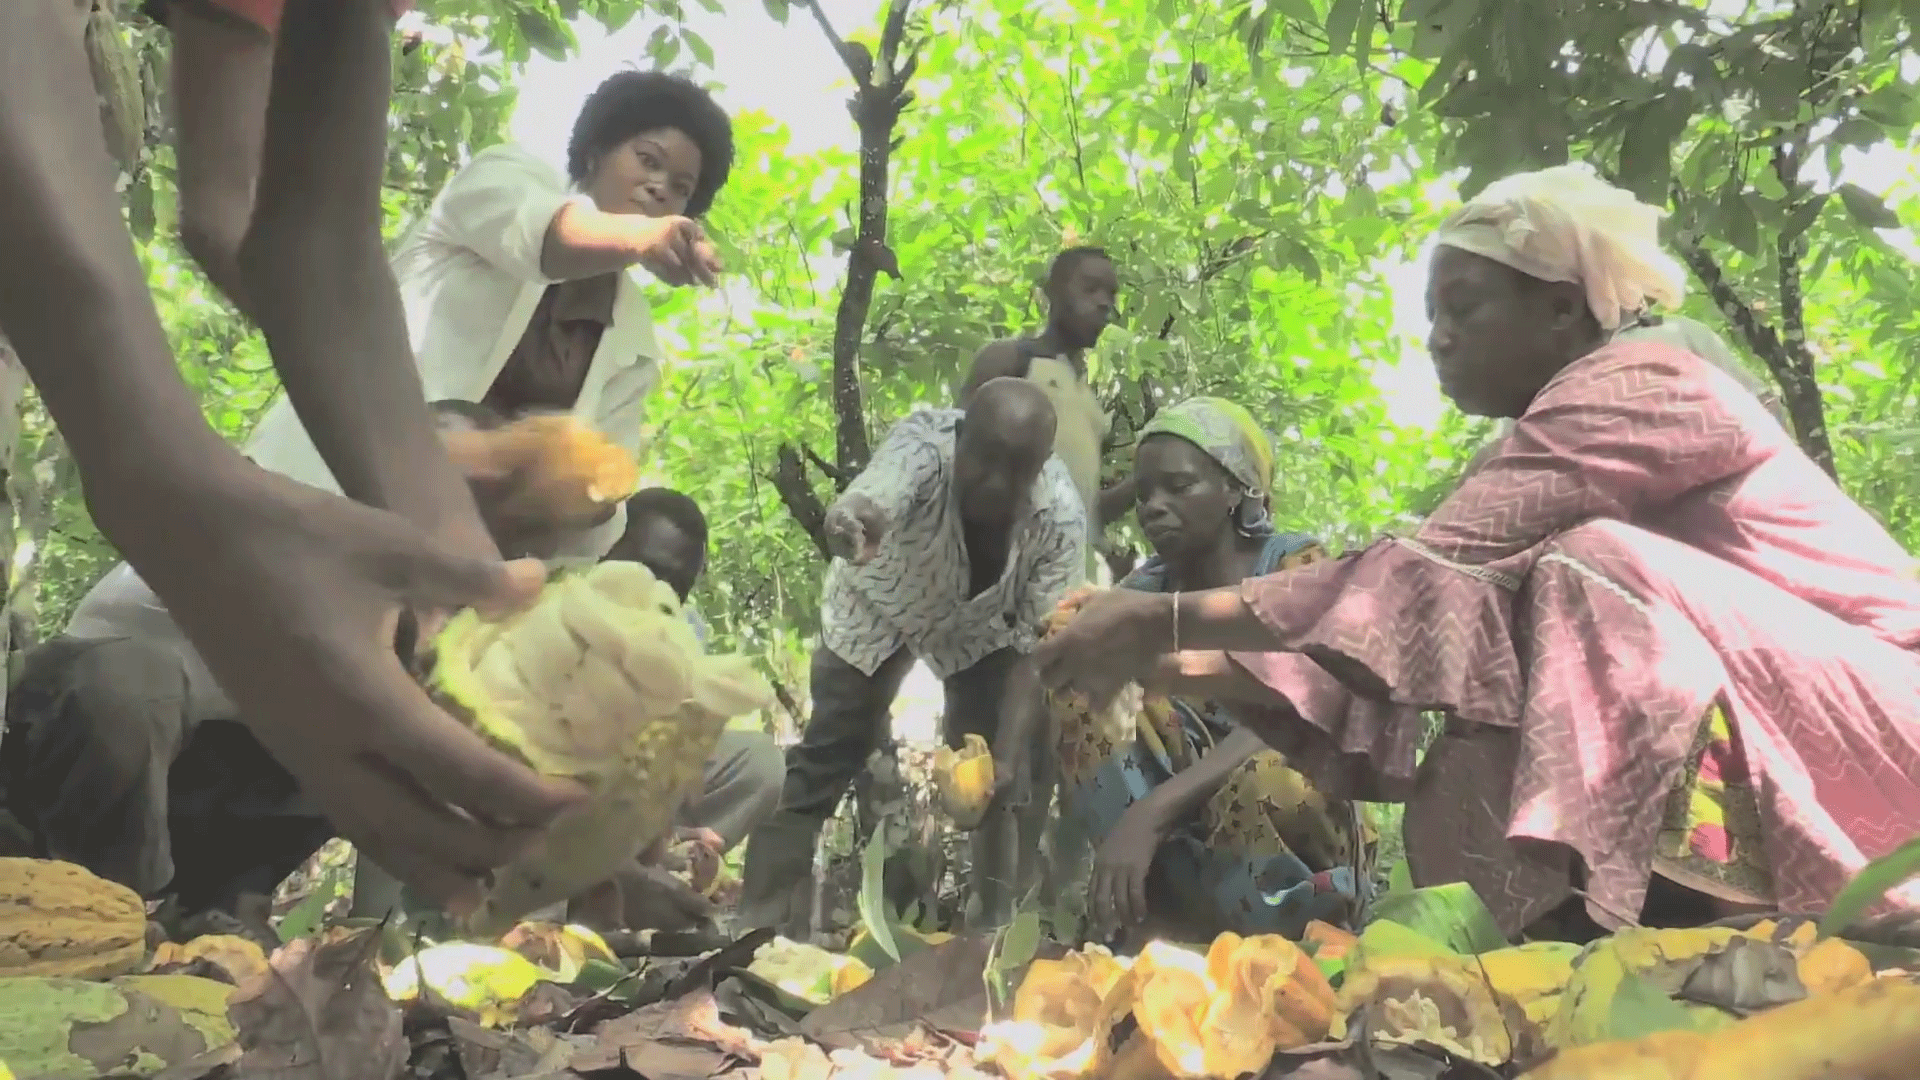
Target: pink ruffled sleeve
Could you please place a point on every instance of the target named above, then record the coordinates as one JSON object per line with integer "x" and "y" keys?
{"x": 1626, "y": 430}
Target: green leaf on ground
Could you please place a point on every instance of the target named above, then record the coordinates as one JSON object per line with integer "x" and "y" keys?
{"x": 1450, "y": 914}
{"x": 1640, "y": 1008}
{"x": 873, "y": 895}
{"x": 1872, "y": 882}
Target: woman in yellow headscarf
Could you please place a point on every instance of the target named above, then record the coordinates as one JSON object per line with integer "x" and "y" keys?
{"x": 1199, "y": 828}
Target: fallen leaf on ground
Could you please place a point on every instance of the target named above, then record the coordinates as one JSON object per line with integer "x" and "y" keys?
{"x": 692, "y": 1021}
{"x": 1744, "y": 976}
{"x": 1640, "y": 1008}
{"x": 757, "y": 1006}
{"x": 942, "y": 988}
{"x": 320, "y": 1013}
{"x": 1453, "y": 915}
{"x": 736, "y": 954}
{"x": 488, "y": 1053}
{"x": 56, "y": 1027}
{"x": 1316, "y": 1069}
{"x": 545, "y": 1004}
{"x": 672, "y": 1061}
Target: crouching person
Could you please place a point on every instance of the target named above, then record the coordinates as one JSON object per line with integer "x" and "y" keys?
{"x": 124, "y": 756}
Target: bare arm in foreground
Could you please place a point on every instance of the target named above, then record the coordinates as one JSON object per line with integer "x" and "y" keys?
{"x": 291, "y": 595}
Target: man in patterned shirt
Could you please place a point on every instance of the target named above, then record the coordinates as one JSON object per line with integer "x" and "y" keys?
{"x": 951, "y": 547}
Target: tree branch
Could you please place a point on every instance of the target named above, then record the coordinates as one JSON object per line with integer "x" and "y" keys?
{"x": 796, "y": 491}
{"x": 1805, "y": 405}
{"x": 784, "y": 695}
{"x": 1809, "y": 424}
{"x": 880, "y": 95}
{"x": 829, "y": 470}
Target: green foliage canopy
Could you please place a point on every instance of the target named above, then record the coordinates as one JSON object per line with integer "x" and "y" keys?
{"x": 1253, "y": 165}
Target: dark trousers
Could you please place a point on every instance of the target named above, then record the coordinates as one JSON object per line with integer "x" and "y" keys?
{"x": 105, "y": 767}
{"x": 850, "y": 718}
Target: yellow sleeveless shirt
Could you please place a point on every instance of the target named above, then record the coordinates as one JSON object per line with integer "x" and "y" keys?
{"x": 1081, "y": 426}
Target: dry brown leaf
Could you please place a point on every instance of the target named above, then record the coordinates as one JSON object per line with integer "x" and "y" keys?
{"x": 673, "y": 1061}
{"x": 692, "y": 1021}
{"x": 1745, "y": 976}
{"x": 942, "y": 988}
{"x": 484, "y": 1053}
{"x": 1326, "y": 1068}
{"x": 320, "y": 1013}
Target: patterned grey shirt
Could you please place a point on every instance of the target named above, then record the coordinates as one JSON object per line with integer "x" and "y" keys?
{"x": 913, "y": 593}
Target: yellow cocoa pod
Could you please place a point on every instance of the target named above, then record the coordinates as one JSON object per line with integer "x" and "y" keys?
{"x": 560, "y": 949}
{"x": 964, "y": 779}
{"x": 1832, "y": 966}
{"x": 58, "y": 919}
{"x": 850, "y": 976}
{"x": 601, "y": 680}
{"x": 481, "y": 979}
{"x": 1667, "y": 1055}
{"x": 239, "y": 958}
{"x": 1870, "y": 1031}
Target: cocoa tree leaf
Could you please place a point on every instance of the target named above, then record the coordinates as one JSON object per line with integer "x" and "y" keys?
{"x": 1878, "y": 876}
{"x": 1646, "y": 147}
{"x": 1857, "y": 131}
{"x": 1343, "y": 18}
{"x": 1867, "y": 208}
{"x": 550, "y": 39}
{"x": 1737, "y": 221}
{"x": 1451, "y": 914}
{"x": 1013, "y": 949}
{"x": 320, "y": 1013}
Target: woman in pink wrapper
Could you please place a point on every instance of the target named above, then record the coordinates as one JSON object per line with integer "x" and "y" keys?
{"x": 1670, "y": 650}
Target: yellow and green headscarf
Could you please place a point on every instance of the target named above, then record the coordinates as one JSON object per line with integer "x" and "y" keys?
{"x": 1230, "y": 436}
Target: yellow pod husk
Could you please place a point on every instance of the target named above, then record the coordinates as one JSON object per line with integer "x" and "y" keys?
{"x": 964, "y": 780}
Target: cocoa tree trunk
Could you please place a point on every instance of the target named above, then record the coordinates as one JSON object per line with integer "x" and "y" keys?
{"x": 880, "y": 95}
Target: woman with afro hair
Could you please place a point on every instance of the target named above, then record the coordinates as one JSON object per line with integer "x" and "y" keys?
{"x": 516, "y": 280}
{"x": 517, "y": 288}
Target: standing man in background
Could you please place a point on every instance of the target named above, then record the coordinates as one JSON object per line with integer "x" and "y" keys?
{"x": 1081, "y": 289}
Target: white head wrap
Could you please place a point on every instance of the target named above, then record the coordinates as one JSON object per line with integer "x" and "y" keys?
{"x": 1567, "y": 224}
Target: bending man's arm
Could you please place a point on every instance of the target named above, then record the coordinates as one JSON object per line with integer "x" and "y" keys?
{"x": 901, "y": 471}
{"x": 1114, "y": 503}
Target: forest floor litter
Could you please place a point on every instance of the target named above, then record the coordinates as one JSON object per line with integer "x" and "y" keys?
{"x": 1428, "y": 990}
